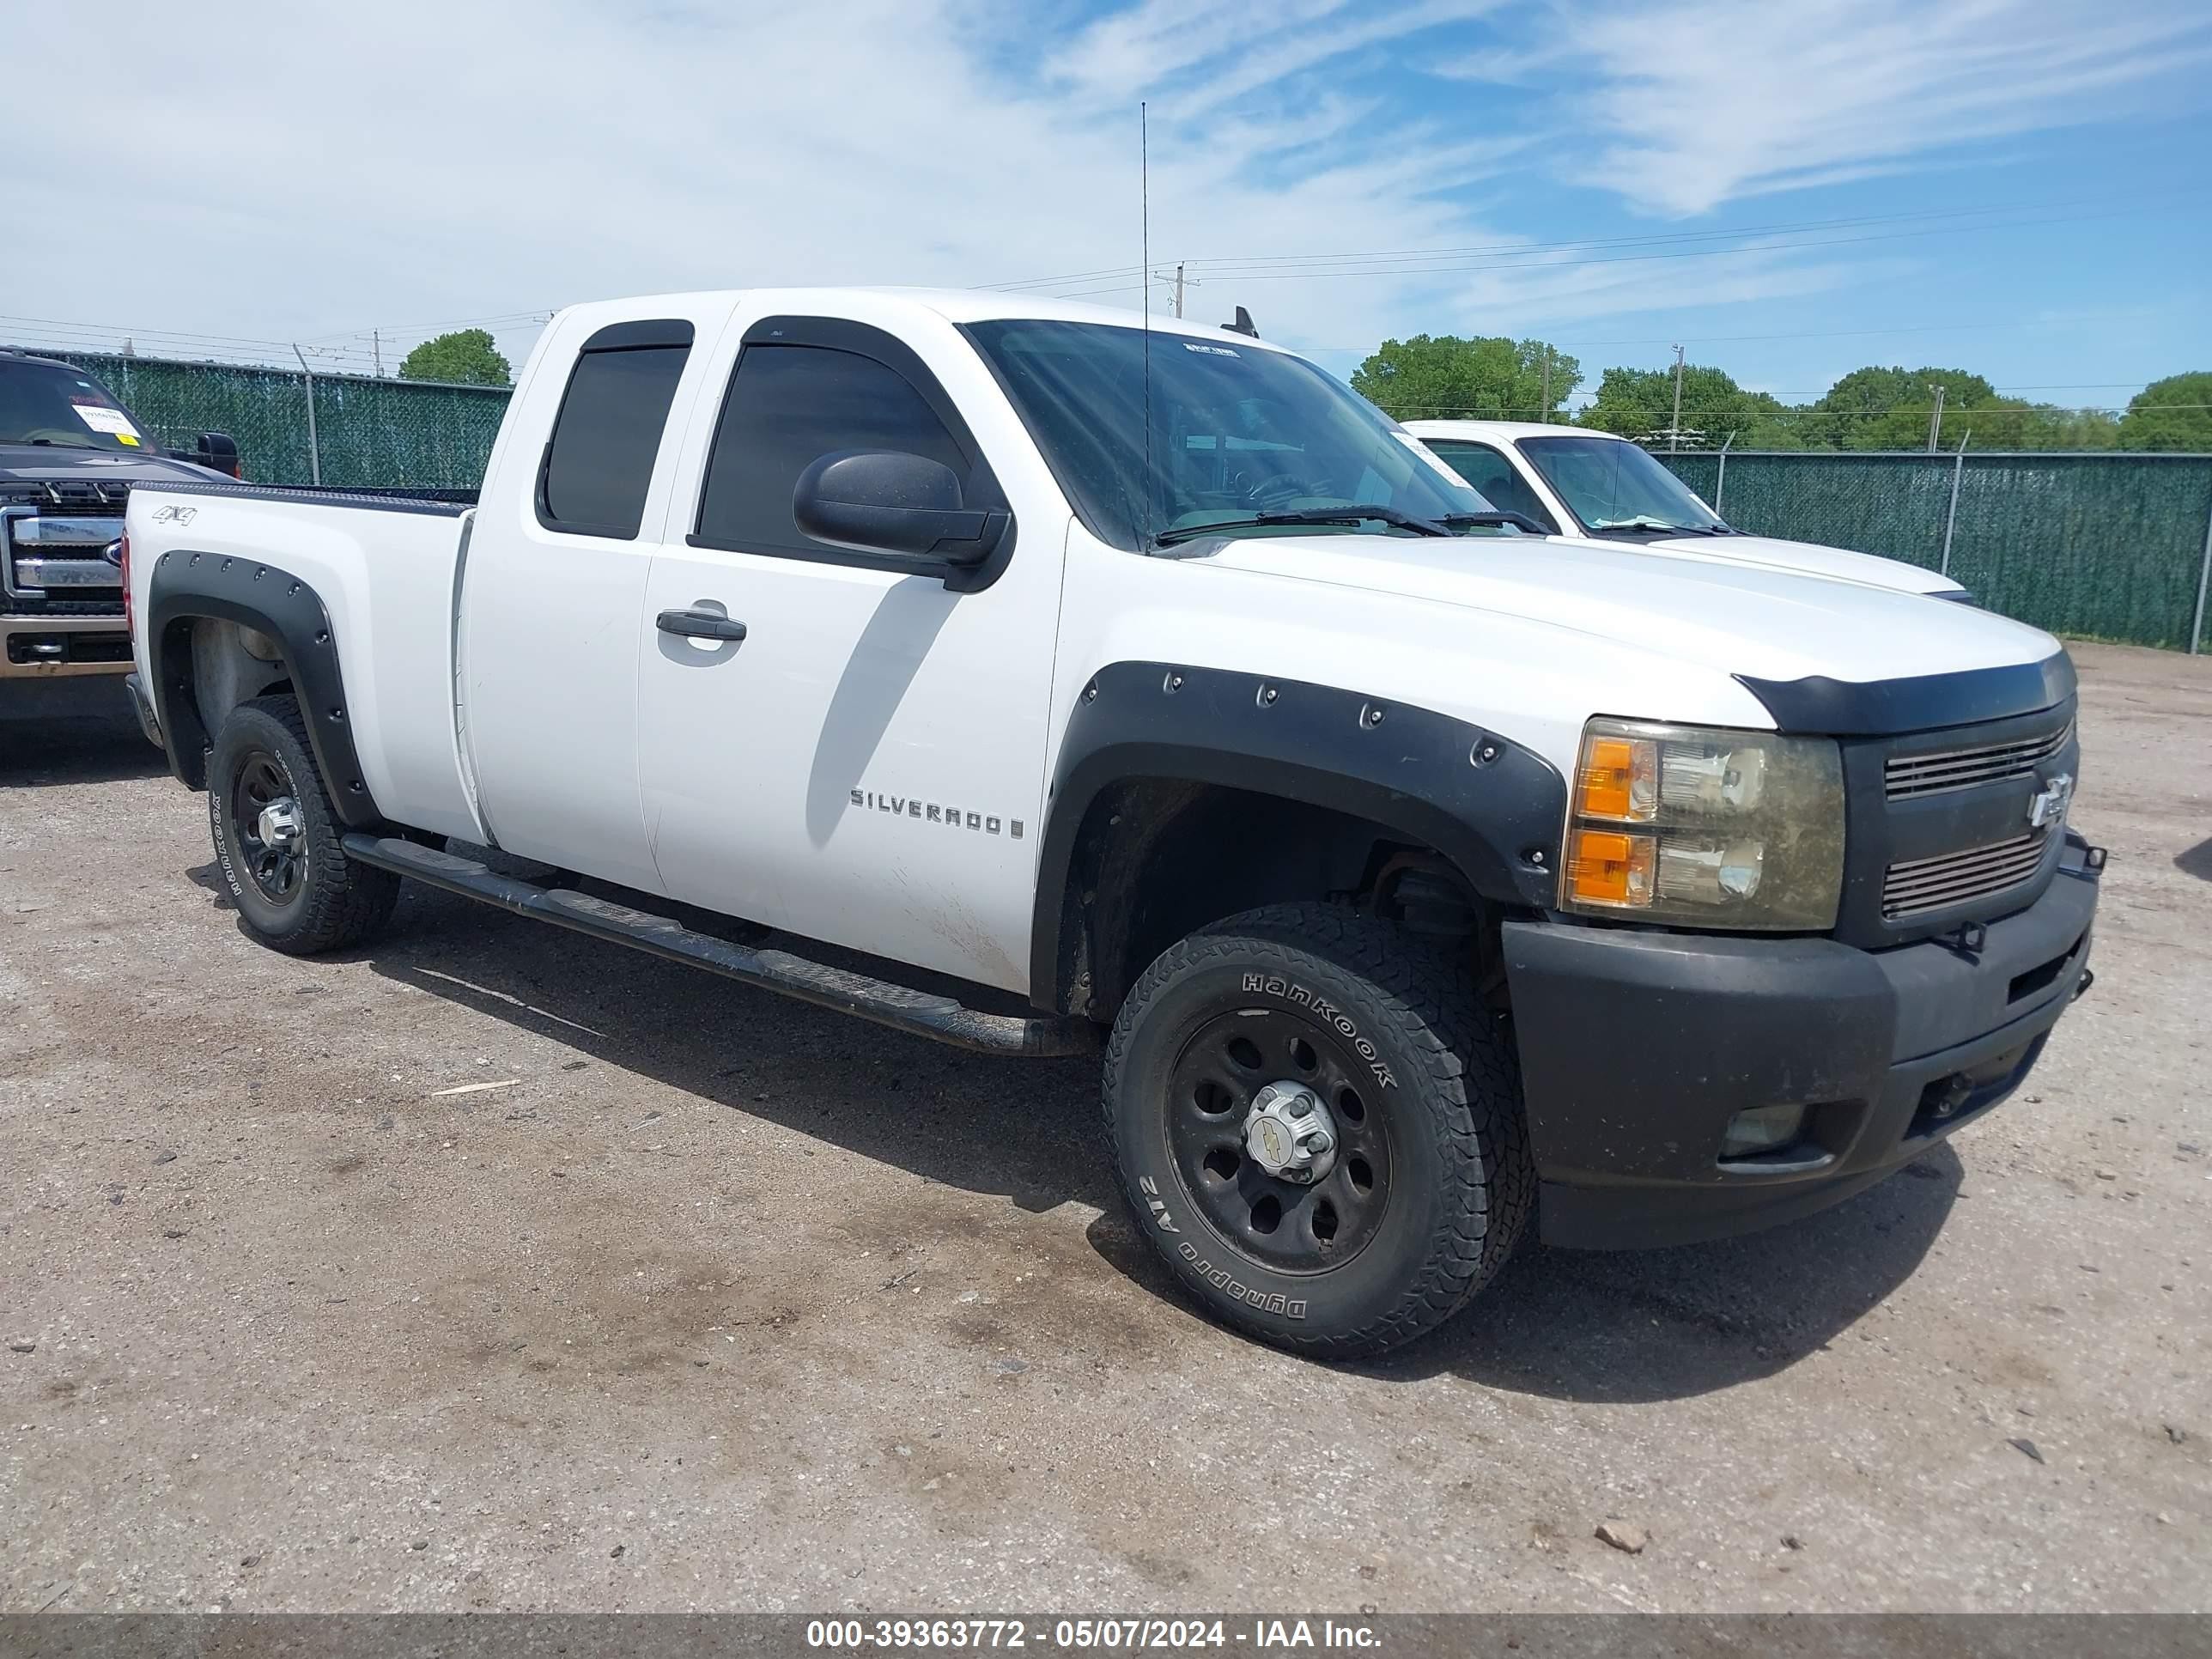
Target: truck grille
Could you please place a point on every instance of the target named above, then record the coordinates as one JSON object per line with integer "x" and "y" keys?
{"x": 1907, "y": 777}
{"x": 53, "y": 560}
{"x": 1913, "y": 887}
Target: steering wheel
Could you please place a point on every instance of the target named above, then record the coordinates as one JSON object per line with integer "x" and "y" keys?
{"x": 1276, "y": 489}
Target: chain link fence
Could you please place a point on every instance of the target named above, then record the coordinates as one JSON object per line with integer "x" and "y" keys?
{"x": 2113, "y": 546}
{"x": 366, "y": 433}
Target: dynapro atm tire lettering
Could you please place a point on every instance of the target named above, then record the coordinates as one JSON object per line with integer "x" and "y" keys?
{"x": 1274, "y": 985}
{"x": 1220, "y": 1278}
{"x": 1224, "y": 1281}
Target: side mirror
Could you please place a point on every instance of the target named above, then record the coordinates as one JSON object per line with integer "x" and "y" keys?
{"x": 877, "y": 501}
{"x": 217, "y": 451}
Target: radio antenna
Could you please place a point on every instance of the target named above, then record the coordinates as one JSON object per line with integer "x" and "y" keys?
{"x": 1145, "y": 239}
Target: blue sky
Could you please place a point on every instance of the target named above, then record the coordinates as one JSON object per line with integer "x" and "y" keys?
{"x": 1790, "y": 190}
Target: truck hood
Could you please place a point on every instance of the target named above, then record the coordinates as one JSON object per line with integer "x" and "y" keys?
{"x": 1734, "y": 616}
{"x": 1837, "y": 562}
{"x": 38, "y": 464}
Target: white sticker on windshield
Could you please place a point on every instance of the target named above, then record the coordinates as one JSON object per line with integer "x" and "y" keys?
{"x": 1210, "y": 350}
{"x": 100, "y": 418}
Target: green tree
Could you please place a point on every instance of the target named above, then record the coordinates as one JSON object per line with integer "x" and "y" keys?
{"x": 1443, "y": 376}
{"x": 2160, "y": 417}
{"x": 467, "y": 357}
{"x": 1640, "y": 403}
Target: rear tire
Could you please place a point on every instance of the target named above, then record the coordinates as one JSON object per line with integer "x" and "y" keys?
{"x": 1425, "y": 1183}
{"x": 276, "y": 838}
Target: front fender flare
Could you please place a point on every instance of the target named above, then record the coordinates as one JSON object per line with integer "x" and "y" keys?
{"x": 1491, "y": 806}
{"x": 186, "y": 586}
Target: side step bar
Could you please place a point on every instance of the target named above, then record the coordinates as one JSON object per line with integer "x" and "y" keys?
{"x": 898, "y": 1006}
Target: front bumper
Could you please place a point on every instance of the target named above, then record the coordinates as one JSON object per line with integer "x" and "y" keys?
{"x": 1637, "y": 1048}
{"x": 44, "y": 646}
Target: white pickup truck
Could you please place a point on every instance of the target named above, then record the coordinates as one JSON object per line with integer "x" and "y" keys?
{"x": 1420, "y": 879}
{"x": 1589, "y": 484}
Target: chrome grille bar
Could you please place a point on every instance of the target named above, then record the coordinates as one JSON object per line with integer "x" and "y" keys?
{"x": 1906, "y": 777}
{"x": 1913, "y": 887}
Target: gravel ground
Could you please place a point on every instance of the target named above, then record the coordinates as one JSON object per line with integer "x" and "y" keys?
{"x": 699, "y": 1299}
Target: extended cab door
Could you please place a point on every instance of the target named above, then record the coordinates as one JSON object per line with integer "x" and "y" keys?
{"x": 866, "y": 765}
{"x": 553, "y": 586}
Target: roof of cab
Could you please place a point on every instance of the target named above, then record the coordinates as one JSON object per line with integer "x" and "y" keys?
{"x": 955, "y": 305}
{"x": 1501, "y": 430}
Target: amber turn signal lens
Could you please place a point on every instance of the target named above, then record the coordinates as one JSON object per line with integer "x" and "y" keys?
{"x": 1607, "y": 867}
{"x": 1607, "y": 763}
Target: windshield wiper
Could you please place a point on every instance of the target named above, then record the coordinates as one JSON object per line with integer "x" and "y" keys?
{"x": 1645, "y": 521}
{"x": 1359, "y": 514}
{"x": 52, "y": 443}
{"x": 1639, "y": 521}
{"x": 1520, "y": 521}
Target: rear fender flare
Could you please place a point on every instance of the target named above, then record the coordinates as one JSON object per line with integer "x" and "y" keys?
{"x": 1494, "y": 807}
{"x": 186, "y": 586}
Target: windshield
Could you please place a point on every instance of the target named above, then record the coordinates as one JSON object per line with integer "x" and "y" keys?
{"x": 1237, "y": 432}
{"x": 1610, "y": 485}
{"x": 47, "y": 403}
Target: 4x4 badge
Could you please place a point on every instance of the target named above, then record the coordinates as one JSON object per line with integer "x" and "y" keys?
{"x": 2050, "y": 806}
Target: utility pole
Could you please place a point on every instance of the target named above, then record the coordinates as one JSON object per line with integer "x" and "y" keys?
{"x": 1936, "y": 420}
{"x": 1675, "y": 427}
{"x": 1178, "y": 287}
{"x": 1545, "y": 415}
{"x": 314, "y": 443}
{"x": 376, "y": 341}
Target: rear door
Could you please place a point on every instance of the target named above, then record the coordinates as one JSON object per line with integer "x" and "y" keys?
{"x": 555, "y": 578}
{"x": 866, "y": 765}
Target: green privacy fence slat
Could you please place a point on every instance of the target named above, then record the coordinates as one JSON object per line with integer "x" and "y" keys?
{"x": 377, "y": 434}
{"x": 2099, "y": 543}
{"x": 2102, "y": 544}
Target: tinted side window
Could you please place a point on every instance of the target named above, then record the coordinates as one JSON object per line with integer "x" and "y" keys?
{"x": 605, "y": 440}
{"x": 788, "y": 406}
{"x": 1493, "y": 477}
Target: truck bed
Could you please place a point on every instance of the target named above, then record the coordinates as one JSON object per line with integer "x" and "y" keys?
{"x": 384, "y": 568}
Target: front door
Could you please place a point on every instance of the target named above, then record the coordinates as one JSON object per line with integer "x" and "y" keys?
{"x": 866, "y": 765}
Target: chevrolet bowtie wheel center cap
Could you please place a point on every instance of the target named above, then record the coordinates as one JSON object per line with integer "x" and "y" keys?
{"x": 1289, "y": 1133}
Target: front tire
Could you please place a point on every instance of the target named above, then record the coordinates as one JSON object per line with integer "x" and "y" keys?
{"x": 276, "y": 837}
{"x": 1390, "y": 1177}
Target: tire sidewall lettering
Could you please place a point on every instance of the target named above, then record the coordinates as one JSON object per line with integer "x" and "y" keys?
{"x": 1283, "y": 987}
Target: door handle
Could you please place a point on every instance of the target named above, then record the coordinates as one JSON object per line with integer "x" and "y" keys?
{"x": 701, "y": 625}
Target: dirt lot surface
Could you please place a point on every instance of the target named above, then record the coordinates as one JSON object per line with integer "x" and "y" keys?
{"x": 702, "y": 1299}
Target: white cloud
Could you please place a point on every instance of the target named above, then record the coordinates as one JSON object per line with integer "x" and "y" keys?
{"x": 1704, "y": 102}
{"x": 304, "y": 169}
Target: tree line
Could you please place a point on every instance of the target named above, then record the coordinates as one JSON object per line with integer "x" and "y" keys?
{"x": 1443, "y": 377}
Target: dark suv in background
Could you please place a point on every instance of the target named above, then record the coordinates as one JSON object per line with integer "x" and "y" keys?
{"x": 69, "y": 455}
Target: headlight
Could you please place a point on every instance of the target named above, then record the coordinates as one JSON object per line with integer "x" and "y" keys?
{"x": 1714, "y": 828}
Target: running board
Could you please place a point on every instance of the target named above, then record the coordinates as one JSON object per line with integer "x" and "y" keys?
{"x": 898, "y": 1006}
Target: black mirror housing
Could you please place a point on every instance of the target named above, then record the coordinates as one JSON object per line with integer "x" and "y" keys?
{"x": 217, "y": 451}
{"x": 875, "y": 501}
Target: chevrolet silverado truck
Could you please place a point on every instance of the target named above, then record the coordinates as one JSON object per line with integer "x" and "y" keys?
{"x": 1581, "y": 483}
{"x": 1144, "y": 690}
{"x": 69, "y": 455}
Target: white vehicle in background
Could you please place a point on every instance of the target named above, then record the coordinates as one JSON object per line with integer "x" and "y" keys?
{"x": 1575, "y": 481}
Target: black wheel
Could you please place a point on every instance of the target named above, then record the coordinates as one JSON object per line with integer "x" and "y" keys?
{"x": 1316, "y": 1129}
{"x": 276, "y": 838}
